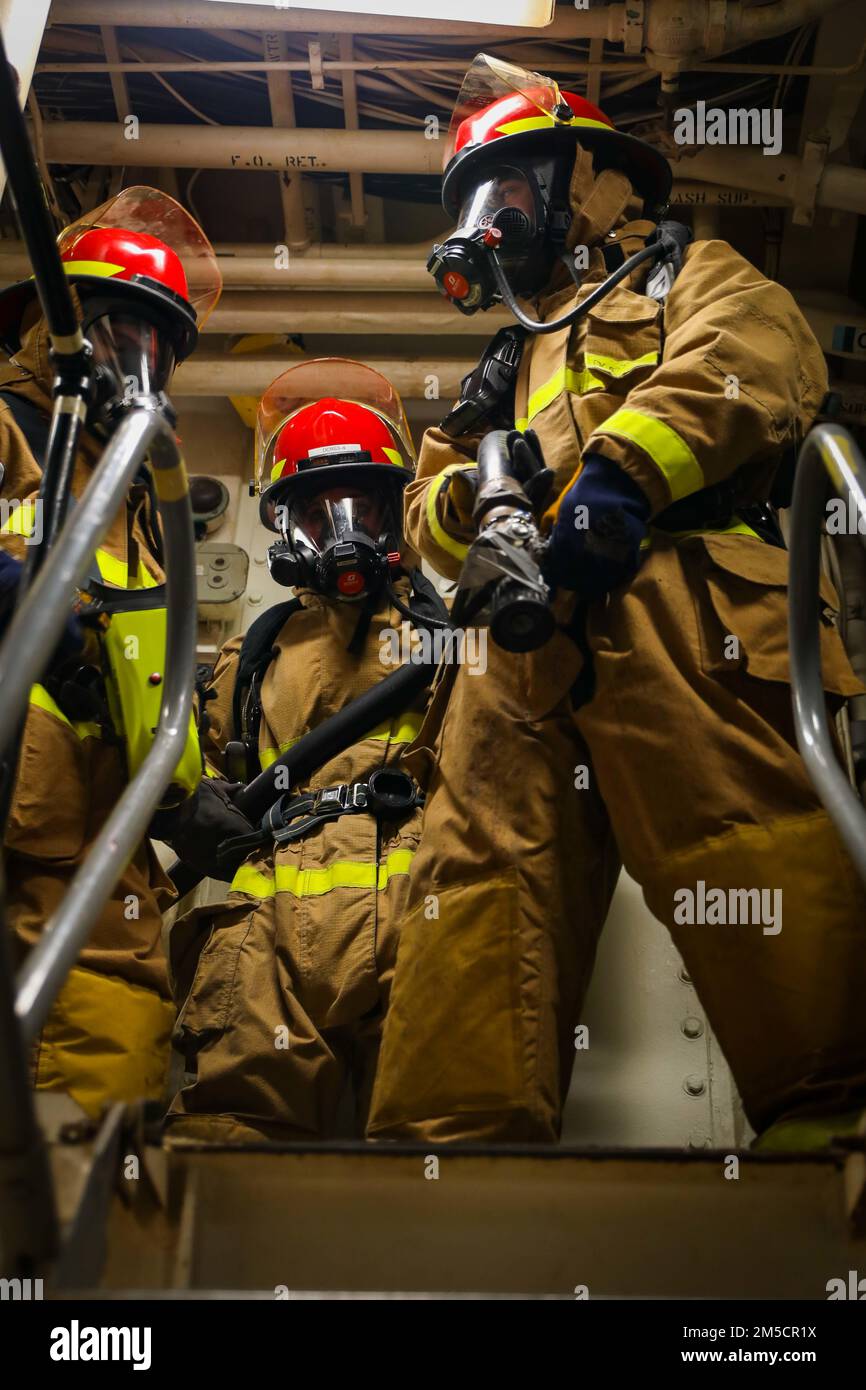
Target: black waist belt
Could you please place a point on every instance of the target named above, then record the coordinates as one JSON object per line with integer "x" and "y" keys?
{"x": 386, "y": 792}
{"x": 713, "y": 509}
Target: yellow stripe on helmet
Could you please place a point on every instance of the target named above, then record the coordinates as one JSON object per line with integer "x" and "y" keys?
{"x": 540, "y": 122}
{"x": 104, "y": 268}
{"x": 393, "y": 456}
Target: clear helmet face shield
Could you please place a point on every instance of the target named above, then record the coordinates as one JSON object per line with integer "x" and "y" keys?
{"x": 307, "y": 383}
{"x": 490, "y": 78}
{"x": 144, "y": 209}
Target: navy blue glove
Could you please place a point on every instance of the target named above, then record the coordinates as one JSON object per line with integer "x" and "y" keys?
{"x": 602, "y": 519}
{"x": 70, "y": 643}
{"x": 10, "y": 574}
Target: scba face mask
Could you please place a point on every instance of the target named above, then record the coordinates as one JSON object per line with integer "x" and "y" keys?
{"x": 342, "y": 542}
{"x": 518, "y": 215}
{"x": 131, "y": 357}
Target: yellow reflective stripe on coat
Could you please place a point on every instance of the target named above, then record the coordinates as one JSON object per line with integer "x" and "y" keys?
{"x": 621, "y": 366}
{"x": 406, "y": 731}
{"x": 580, "y": 381}
{"x": 115, "y": 572}
{"x": 445, "y": 542}
{"x": 668, "y": 450}
{"x": 40, "y": 699}
{"x": 565, "y": 379}
{"x": 20, "y": 520}
{"x": 313, "y": 883}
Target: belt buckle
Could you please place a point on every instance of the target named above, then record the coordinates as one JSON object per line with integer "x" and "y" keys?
{"x": 331, "y": 798}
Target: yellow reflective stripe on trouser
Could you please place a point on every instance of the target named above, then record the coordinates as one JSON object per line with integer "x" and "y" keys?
{"x": 737, "y": 528}
{"x": 445, "y": 542}
{"x": 40, "y": 699}
{"x": 581, "y": 381}
{"x": 668, "y": 450}
{"x": 313, "y": 883}
{"x": 406, "y": 731}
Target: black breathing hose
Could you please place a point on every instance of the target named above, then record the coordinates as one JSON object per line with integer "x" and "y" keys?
{"x": 655, "y": 251}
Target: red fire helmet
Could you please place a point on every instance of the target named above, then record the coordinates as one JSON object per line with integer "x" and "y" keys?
{"x": 504, "y": 111}
{"x": 325, "y": 424}
{"x": 116, "y": 253}
{"x": 140, "y": 247}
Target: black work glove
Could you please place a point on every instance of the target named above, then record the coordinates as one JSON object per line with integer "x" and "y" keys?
{"x": 525, "y": 452}
{"x": 195, "y": 829}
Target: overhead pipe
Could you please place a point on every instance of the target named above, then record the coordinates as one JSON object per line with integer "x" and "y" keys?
{"x": 353, "y": 273}
{"x": 262, "y": 311}
{"x": 427, "y": 378}
{"x": 680, "y": 34}
{"x": 840, "y": 332}
{"x": 336, "y": 65}
{"x": 330, "y": 250}
{"x": 407, "y": 152}
{"x": 243, "y": 147}
{"x": 343, "y": 270}
{"x": 786, "y": 176}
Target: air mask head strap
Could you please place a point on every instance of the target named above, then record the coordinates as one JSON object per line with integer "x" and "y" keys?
{"x": 599, "y": 199}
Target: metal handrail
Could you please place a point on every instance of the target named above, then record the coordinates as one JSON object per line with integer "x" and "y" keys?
{"x": 67, "y": 930}
{"x": 41, "y": 616}
{"x": 27, "y": 1221}
{"x": 828, "y": 450}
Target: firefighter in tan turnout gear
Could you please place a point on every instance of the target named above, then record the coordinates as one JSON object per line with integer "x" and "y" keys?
{"x": 144, "y": 277}
{"x": 655, "y": 727}
{"x": 285, "y": 984}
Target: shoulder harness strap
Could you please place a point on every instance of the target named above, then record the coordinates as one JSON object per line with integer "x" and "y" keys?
{"x": 256, "y": 655}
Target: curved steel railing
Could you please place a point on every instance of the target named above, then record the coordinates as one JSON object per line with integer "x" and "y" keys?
{"x": 828, "y": 451}
{"x": 27, "y": 1223}
{"x": 52, "y": 573}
